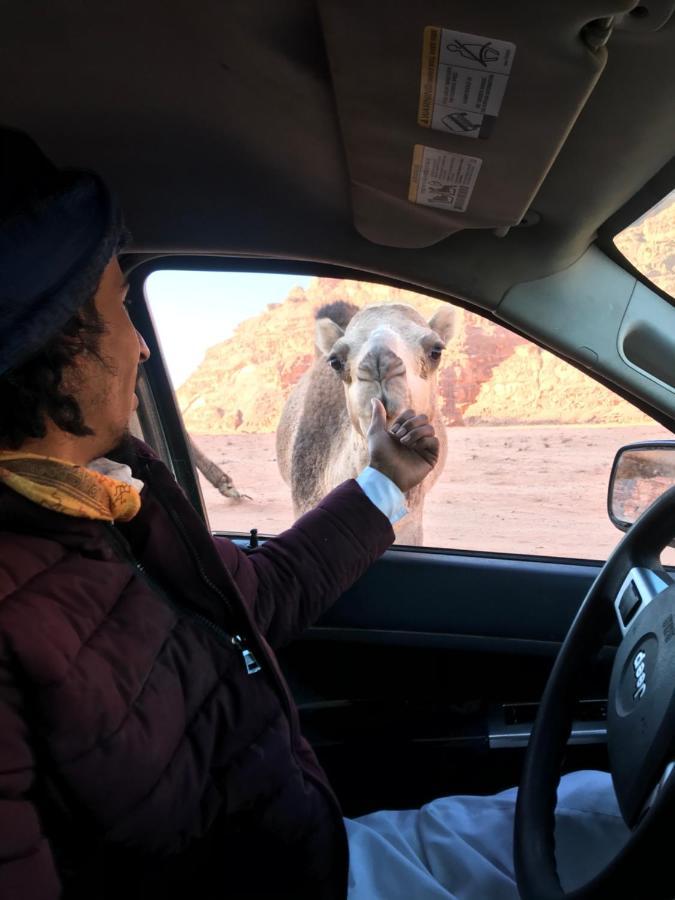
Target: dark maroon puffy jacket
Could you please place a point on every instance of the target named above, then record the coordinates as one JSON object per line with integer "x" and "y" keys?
{"x": 138, "y": 758}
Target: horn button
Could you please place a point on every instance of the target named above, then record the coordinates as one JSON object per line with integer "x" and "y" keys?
{"x": 641, "y": 710}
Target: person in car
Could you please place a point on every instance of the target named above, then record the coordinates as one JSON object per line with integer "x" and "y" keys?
{"x": 149, "y": 746}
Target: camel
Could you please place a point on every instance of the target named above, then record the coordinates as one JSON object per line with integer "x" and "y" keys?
{"x": 387, "y": 351}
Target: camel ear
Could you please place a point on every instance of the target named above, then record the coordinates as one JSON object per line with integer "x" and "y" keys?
{"x": 443, "y": 322}
{"x": 327, "y": 333}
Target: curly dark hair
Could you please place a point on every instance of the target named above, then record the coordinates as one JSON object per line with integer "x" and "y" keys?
{"x": 34, "y": 391}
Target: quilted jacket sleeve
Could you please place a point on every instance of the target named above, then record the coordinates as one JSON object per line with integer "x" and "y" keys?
{"x": 26, "y": 866}
{"x": 302, "y": 571}
{"x": 291, "y": 579}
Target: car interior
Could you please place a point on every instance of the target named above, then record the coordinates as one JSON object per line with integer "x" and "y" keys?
{"x": 319, "y": 137}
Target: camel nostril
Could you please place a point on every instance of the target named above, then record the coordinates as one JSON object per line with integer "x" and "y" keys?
{"x": 380, "y": 364}
{"x": 394, "y": 372}
{"x": 390, "y": 366}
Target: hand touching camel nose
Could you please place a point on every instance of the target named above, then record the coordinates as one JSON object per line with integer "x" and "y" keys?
{"x": 407, "y": 452}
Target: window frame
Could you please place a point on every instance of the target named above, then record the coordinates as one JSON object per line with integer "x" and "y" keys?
{"x": 162, "y": 422}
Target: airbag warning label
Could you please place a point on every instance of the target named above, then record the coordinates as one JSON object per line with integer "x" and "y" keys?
{"x": 441, "y": 179}
{"x": 464, "y": 77}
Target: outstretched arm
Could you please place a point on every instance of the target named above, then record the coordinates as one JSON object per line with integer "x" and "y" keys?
{"x": 306, "y": 568}
{"x": 302, "y": 571}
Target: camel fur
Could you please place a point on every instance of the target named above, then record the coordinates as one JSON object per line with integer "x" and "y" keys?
{"x": 387, "y": 351}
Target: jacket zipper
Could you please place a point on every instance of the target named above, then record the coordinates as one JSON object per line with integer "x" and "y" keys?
{"x": 250, "y": 662}
{"x": 240, "y": 639}
{"x": 276, "y": 678}
{"x": 249, "y": 659}
{"x": 237, "y": 640}
{"x": 281, "y": 688}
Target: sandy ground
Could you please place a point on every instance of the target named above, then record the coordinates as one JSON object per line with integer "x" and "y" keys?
{"x": 537, "y": 490}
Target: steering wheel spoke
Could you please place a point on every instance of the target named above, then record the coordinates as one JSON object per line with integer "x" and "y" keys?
{"x": 658, "y": 790}
{"x": 641, "y": 708}
{"x": 639, "y": 588}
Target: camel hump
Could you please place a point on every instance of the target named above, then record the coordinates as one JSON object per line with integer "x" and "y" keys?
{"x": 339, "y": 312}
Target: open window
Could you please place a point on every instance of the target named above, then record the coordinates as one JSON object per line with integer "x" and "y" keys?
{"x": 530, "y": 438}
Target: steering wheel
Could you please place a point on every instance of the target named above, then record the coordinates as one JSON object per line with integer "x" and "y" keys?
{"x": 634, "y": 589}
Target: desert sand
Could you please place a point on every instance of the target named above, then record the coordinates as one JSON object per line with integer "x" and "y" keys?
{"x": 534, "y": 490}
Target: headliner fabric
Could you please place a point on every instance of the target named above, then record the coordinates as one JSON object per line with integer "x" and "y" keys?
{"x": 58, "y": 230}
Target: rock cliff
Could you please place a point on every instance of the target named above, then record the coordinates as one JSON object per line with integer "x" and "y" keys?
{"x": 488, "y": 375}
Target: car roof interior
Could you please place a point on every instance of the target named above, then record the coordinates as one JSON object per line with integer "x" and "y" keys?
{"x": 287, "y": 130}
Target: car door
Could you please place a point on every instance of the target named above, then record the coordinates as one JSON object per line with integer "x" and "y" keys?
{"x": 423, "y": 679}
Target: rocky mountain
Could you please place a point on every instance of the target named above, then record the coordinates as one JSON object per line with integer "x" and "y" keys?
{"x": 488, "y": 375}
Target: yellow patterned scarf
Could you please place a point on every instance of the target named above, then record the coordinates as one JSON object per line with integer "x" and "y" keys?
{"x": 68, "y": 488}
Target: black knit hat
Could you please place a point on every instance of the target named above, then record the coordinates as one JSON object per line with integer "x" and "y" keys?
{"x": 59, "y": 228}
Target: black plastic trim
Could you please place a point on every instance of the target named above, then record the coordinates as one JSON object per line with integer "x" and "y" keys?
{"x": 469, "y": 643}
{"x": 241, "y": 538}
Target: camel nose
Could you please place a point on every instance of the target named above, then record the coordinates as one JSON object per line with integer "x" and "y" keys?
{"x": 380, "y": 364}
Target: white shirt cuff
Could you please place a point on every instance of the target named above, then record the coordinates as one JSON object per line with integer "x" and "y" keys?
{"x": 383, "y": 493}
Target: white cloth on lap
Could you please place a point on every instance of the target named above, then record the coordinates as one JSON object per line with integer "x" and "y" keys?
{"x": 461, "y": 848}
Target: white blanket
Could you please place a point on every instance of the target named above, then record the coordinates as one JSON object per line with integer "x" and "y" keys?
{"x": 461, "y": 848}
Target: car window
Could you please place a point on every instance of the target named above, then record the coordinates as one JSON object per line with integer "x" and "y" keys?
{"x": 530, "y": 439}
{"x": 649, "y": 244}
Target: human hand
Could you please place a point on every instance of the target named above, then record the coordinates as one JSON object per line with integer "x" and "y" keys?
{"x": 407, "y": 452}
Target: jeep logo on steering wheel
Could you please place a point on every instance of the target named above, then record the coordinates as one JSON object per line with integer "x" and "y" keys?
{"x": 640, "y": 675}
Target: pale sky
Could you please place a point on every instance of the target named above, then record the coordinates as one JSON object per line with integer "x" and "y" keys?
{"x": 192, "y": 311}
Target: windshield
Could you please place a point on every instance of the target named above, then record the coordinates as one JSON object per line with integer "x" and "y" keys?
{"x": 649, "y": 244}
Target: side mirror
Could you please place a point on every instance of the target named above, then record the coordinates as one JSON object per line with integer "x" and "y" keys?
{"x": 640, "y": 474}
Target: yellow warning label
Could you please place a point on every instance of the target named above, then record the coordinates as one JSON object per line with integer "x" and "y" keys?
{"x": 430, "y": 53}
{"x": 418, "y": 156}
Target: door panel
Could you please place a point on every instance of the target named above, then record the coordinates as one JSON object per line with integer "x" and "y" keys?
{"x": 423, "y": 679}
{"x": 465, "y": 595}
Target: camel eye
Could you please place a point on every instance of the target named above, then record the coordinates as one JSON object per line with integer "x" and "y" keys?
{"x": 335, "y": 363}
{"x": 435, "y": 352}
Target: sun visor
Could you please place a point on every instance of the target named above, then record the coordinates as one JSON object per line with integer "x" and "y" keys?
{"x": 452, "y": 114}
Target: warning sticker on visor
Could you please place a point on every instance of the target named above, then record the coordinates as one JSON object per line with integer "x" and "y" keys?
{"x": 464, "y": 78}
{"x": 441, "y": 179}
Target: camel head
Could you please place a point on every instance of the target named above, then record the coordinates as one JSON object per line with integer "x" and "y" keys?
{"x": 389, "y": 352}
